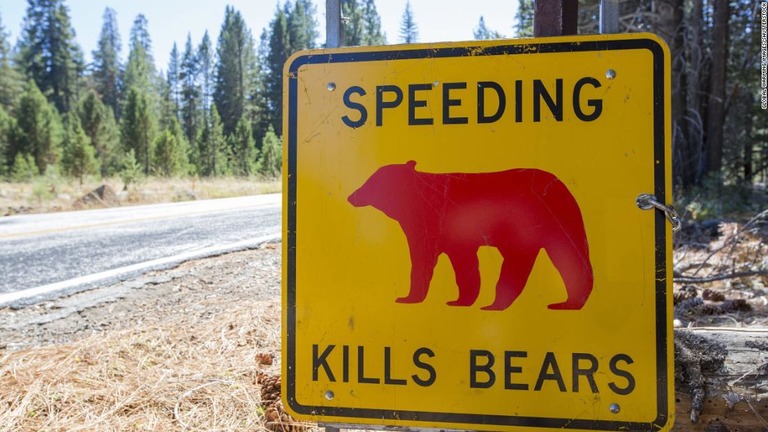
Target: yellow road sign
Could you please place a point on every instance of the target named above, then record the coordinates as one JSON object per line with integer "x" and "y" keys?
{"x": 462, "y": 242}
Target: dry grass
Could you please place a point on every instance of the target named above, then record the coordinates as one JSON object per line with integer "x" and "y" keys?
{"x": 50, "y": 195}
{"x": 187, "y": 374}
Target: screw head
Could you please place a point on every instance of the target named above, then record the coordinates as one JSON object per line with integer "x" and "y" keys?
{"x": 615, "y": 408}
{"x": 610, "y": 74}
{"x": 331, "y": 86}
{"x": 329, "y": 395}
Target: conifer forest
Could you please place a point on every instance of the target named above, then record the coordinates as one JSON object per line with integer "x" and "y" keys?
{"x": 217, "y": 108}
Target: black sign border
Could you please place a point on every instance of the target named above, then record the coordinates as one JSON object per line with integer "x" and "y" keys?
{"x": 525, "y": 48}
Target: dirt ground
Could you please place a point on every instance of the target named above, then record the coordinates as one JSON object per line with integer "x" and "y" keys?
{"x": 195, "y": 345}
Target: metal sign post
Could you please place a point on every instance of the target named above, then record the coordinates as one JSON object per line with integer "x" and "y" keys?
{"x": 555, "y": 18}
{"x": 334, "y": 34}
{"x": 609, "y": 16}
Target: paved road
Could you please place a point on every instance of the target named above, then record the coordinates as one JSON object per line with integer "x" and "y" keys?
{"x": 48, "y": 250}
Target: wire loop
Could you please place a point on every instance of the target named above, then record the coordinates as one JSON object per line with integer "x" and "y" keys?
{"x": 648, "y": 201}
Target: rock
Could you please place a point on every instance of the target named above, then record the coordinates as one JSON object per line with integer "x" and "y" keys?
{"x": 102, "y": 196}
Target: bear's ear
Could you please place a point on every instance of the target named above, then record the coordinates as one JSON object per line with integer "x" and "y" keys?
{"x": 411, "y": 164}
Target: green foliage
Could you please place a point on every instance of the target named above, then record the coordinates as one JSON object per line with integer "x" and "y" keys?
{"x": 11, "y": 82}
{"x": 38, "y": 130}
{"x": 363, "y": 24}
{"x": 23, "y": 169}
{"x": 353, "y": 23}
{"x": 279, "y": 50}
{"x": 140, "y": 70}
{"x": 7, "y": 124}
{"x": 138, "y": 128}
{"x": 259, "y": 115}
{"x": 372, "y": 34}
{"x": 132, "y": 172}
{"x": 99, "y": 125}
{"x": 79, "y": 157}
{"x": 168, "y": 156}
{"x": 205, "y": 64}
{"x": 173, "y": 79}
{"x": 302, "y": 25}
{"x": 48, "y": 53}
{"x": 106, "y": 61}
{"x": 718, "y": 199}
{"x": 524, "y": 18}
{"x": 409, "y": 30}
{"x": 171, "y": 150}
{"x": 243, "y": 151}
{"x": 212, "y": 148}
{"x": 482, "y": 32}
{"x": 235, "y": 70}
{"x": 190, "y": 93}
{"x": 271, "y": 161}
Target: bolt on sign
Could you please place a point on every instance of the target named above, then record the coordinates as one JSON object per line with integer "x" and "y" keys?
{"x": 463, "y": 244}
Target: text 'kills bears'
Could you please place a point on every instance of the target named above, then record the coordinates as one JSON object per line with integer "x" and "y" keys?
{"x": 518, "y": 211}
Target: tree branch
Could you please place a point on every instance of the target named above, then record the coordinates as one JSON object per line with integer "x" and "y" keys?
{"x": 678, "y": 278}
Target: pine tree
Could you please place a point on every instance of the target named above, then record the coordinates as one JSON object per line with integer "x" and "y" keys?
{"x": 243, "y": 150}
{"x": 169, "y": 157}
{"x": 353, "y": 22}
{"x": 235, "y": 70}
{"x": 409, "y": 31}
{"x": 38, "y": 130}
{"x": 302, "y": 25}
{"x": 173, "y": 78}
{"x": 271, "y": 161}
{"x": 482, "y": 32}
{"x": 132, "y": 170}
{"x": 190, "y": 93}
{"x": 260, "y": 115}
{"x": 212, "y": 147}
{"x": 98, "y": 124}
{"x": 372, "y": 34}
{"x": 524, "y": 18}
{"x": 48, "y": 53}
{"x": 11, "y": 83}
{"x": 140, "y": 70}
{"x": 23, "y": 169}
{"x": 205, "y": 71}
{"x": 279, "y": 51}
{"x": 6, "y": 125}
{"x": 106, "y": 61}
{"x": 137, "y": 130}
{"x": 78, "y": 158}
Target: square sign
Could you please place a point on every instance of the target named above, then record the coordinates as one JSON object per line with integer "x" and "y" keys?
{"x": 463, "y": 248}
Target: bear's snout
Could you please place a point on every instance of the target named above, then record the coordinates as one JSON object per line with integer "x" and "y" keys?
{"x": 356, "y": 199}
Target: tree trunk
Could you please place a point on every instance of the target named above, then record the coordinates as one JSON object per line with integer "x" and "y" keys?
{"x": 694, "y": 117}
{"x": 721, "y": 380}
{"x": 716, "y": 105}
{"x": 668, "y": 23}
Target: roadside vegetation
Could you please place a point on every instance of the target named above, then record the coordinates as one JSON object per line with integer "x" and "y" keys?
{"x": 51, "y": 194}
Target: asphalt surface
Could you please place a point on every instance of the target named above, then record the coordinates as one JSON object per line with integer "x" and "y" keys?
{"x": 51, "y": 254}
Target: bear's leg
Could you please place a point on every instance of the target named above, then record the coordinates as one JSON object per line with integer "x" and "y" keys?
{"x": 573, "y": 264}
{"x": 515, "y": 270}
{"x": 422, "y": 266}
{"x": 466, "y": 267}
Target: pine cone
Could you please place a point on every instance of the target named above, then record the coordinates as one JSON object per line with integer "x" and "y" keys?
{"x": 276, "y": 418}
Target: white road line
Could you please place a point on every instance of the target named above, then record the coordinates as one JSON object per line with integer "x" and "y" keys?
{"x": 126, "y": 272}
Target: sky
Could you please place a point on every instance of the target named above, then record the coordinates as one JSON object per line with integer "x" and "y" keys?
{"x": 171, "y": 20}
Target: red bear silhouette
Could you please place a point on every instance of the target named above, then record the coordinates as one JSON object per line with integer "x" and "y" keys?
{"x": 518, "y": 211}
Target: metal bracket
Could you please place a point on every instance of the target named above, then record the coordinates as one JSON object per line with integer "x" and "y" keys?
{"x": 648, "y": 201}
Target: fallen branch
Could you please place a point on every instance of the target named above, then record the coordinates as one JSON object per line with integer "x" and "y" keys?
{"x": 678, "y": 278}
{"x": 721, "y": 379}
